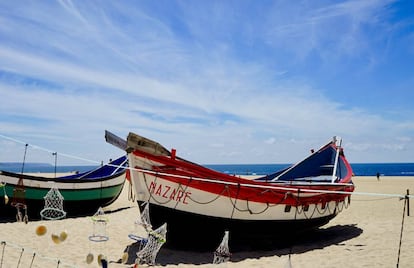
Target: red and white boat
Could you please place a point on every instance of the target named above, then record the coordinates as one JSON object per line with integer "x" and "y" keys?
{"x": 200, "y": 204}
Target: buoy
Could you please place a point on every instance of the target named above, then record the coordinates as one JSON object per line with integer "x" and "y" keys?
{"x": 55, "y": 238}
{"x": 124, "y": 257}
{"x": 63, "y": 236}
{"x": 89, "y": 258}
{"x": 41, "y": 230}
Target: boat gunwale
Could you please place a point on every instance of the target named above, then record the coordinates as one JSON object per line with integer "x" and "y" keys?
{"x": 227, "y": 179}
{"x": 62, "y": 179}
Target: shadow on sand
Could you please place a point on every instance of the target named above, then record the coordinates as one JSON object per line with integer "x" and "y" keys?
{"x": 317, "y": 239}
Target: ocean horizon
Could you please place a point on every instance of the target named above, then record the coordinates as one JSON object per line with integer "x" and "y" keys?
{"x": 359, "y": 169}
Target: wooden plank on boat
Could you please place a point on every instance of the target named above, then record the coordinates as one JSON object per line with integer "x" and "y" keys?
{"x": 115, "y": 140}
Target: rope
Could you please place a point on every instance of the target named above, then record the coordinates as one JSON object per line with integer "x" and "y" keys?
{"x": 5, "y": 243}
{"x": 401, "y": 233}
{"x": 227, "y": 183}
{"x": 255, "y": 213}
{"x": 131, "y": 196}
{"x": 34, "y": 255}
{"x": 2, "y": 253}
{"x": 151, "y": 195}
{"x": 50, "y": 151}
{"x": 24, "y": 157}
{"x": 267, "y": 187}
{"x": 21, "y": 254}
{"x": 275, "y": 187}
{"x": 300, "y": 209}
{"x": 235, "y": 201}
{"x": 296, "y": 212}
{"x": 376, "y": 199}
{"x": 183, "y": 190}
{"x": 285, "y": 188}
{"x": 225, "y": 188}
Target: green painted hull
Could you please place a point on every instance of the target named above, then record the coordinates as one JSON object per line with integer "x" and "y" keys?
{"x": 68, "y": 195}
{"x": 79, "y": 202}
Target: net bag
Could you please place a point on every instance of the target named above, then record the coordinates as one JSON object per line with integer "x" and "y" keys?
{"x": 222, "y": 253}
{"x": 149, "y": 253}
{"x": 99, "y": 227}
{"x": 53, "y": 209}
{"x": 142, "y": 221}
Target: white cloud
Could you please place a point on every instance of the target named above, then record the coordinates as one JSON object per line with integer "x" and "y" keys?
{"x": 126, "y": 69}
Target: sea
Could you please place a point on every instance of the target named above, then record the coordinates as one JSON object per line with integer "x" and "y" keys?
{"x": 359, "y": 169}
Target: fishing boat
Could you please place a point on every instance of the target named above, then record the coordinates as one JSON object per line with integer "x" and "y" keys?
{"x": 83, "y": 193}
{"x": 199, "y": 204}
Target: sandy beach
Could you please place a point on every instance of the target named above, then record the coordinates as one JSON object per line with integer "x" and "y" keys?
{"x": 367, "y": 234}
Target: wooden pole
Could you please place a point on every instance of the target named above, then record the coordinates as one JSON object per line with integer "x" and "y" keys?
{"x": 408, "y": 202}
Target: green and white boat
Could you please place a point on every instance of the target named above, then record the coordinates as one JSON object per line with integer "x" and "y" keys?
{"x": 82, "y": 193}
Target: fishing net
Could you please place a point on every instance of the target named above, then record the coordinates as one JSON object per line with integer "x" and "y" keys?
{"x": 53, "y": 209}
{"x": 98, "y": 235}
{"x": 142, "y": 221}
{"x": 99, "y": 227}
{"x": 222, "y": 253}
{"x": 145, "y": 218}
{"x": 149, "y": 253}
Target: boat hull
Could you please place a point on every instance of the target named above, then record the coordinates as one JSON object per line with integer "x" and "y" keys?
{"x": 198, "y": 211}
{"x": 199, "y": 204}
{"x": 197, "y": 219}
{"x": 189, "y": 231}
{"x": 82, "y": 194}
{"x": 77, "y": 202}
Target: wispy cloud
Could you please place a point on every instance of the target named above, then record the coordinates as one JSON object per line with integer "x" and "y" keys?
{"x": 196, "y": 76}
{"x": 332, "y": 30}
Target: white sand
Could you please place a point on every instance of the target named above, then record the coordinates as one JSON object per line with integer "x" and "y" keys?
{"x": 367, "y": 234}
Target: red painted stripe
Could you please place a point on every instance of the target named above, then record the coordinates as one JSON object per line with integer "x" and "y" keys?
{"x": 181, "y": 167}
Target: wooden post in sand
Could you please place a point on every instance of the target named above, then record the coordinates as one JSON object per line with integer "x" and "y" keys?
{"x": 408, "y": 202}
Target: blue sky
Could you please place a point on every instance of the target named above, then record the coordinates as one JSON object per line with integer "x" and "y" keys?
{"x": 220, "y": 81}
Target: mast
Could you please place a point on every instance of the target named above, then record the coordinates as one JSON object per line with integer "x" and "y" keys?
{"x": 338, "y": 143}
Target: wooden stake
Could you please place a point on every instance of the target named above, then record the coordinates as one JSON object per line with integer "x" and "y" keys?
{"x": 408, "y": 202}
